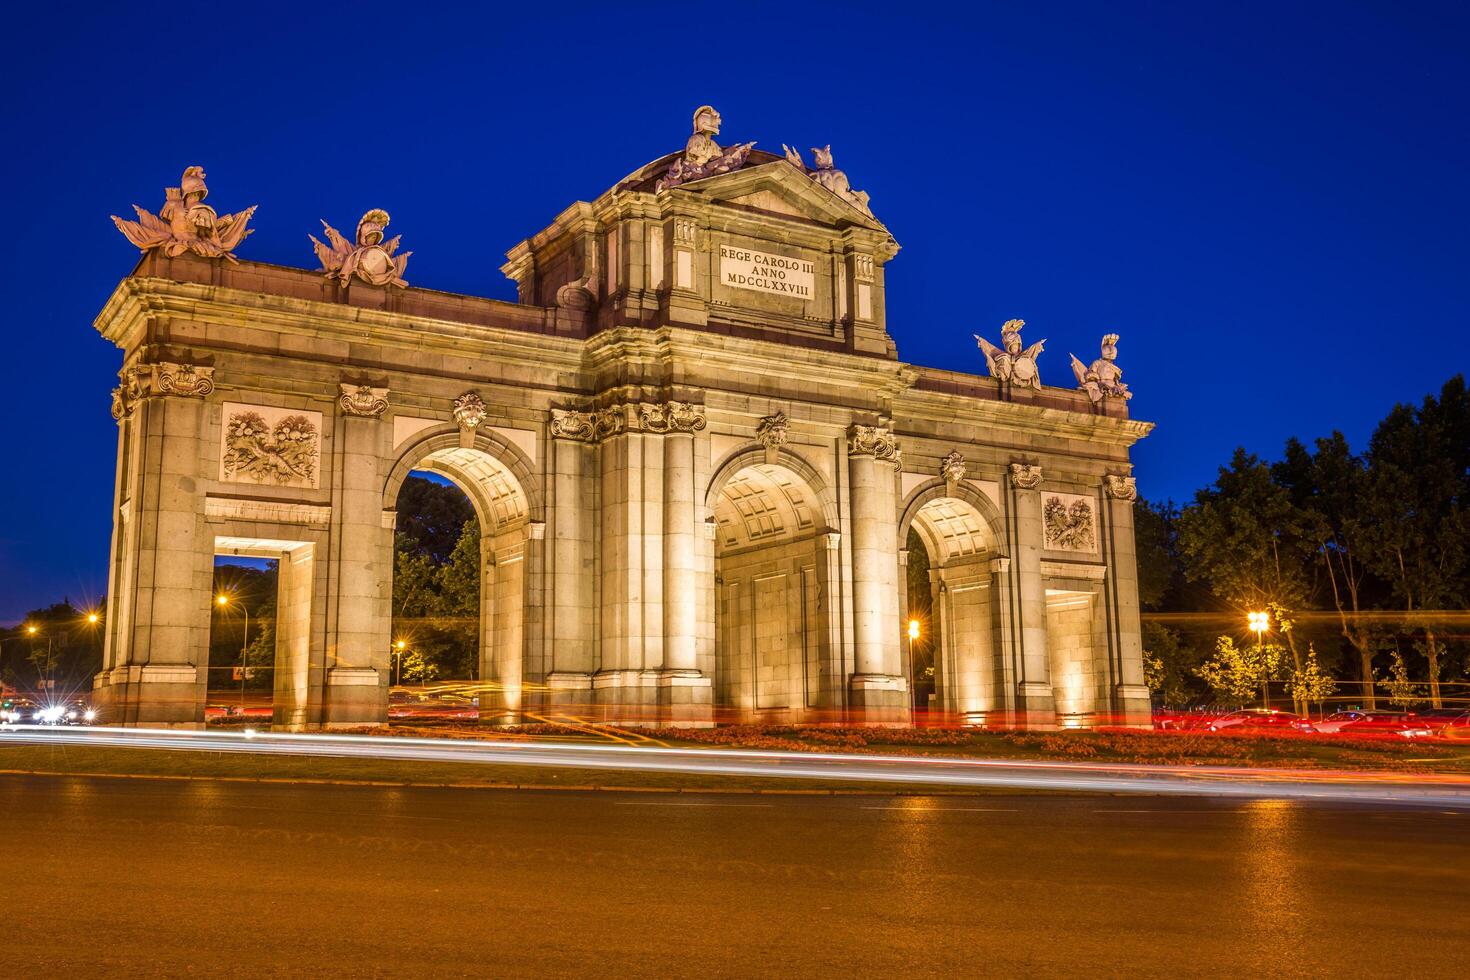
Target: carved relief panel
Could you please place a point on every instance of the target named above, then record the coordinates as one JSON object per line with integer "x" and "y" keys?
{"x": 1069, "y": 521}
{"x": 273, "y": 447}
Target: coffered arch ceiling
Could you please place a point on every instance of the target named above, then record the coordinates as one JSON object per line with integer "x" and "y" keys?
{"x": 764, "y": 504}
{"x": 953, "y": 530}
{"x": 496, "y": 493}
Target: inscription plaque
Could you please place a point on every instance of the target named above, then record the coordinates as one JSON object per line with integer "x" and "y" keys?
{"x": 762, "y": 272}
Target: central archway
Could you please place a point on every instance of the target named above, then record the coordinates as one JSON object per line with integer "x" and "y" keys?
{"x": 770, "y": 522}
{"x": 498, "y": 482}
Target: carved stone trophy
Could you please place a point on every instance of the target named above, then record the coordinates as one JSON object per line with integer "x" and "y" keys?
{"x": 186, "y": 224}
{"x": 371, "y": 259}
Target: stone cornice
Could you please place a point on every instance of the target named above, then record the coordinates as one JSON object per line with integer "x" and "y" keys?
{"x": 136, "y": 299}
{"x": 852, "y": 380}
{"x": 973, "y": 412}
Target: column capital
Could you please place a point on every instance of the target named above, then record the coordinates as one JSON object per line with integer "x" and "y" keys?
{"x": 1120, "y": 487}
{"x": 670, "y": 416}
{"x": 876, "y": 441}
{"x": 1025, "y": 476}
{"x": 362, "y": 401}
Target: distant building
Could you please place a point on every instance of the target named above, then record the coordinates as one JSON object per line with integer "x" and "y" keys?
{"x": 694, "y": 453}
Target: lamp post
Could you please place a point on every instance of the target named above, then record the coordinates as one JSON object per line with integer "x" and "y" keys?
{"x": 1259, "y": 623}
{"x": 398, "y": 649}
{"x": 224, "y": 600}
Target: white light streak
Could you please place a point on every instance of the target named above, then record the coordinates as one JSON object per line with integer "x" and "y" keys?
{"x": 1294, "y": 784}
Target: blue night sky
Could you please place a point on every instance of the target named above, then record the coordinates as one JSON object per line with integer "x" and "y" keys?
{"x": 1268, "y": 202}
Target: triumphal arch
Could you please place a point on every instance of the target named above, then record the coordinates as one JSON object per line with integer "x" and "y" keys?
{"x": 695, "y": 455}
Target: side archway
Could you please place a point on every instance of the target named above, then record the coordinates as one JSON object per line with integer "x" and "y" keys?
{"x": 961, "y": 534}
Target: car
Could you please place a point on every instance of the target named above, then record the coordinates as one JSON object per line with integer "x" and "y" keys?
{"x": 1357, "y": 721}
{"x": 1398, "y": 724}
{"x": 1448, "y": 722}
{"x": 1263, "y": 720}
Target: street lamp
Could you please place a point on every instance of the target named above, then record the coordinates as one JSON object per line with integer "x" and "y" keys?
{"x": 398, "y": 649}
{"x": 223, "y": 600}
{"x": 1259, "y": 623}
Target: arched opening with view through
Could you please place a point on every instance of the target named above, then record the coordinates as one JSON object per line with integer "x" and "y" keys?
{"x": 772, "y": 574}
{"x": 458, "y": 641}
{"x": 956, "y": 666}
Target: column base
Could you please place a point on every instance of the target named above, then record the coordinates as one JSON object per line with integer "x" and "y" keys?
{"x": 1036, "y": 706}
{"x": 1133, "y": 706}
{"x": 356, "y": 697}
{"x": 879, "y": 699}
{"x": 656, "y": 698}
{"x": 150, "y": 696}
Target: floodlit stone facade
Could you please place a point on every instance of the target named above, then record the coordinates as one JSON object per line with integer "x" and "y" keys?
{"x": 692, "y": 447}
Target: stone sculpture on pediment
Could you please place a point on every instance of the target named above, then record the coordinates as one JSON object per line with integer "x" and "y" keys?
{"x": 827, "y": 175}
{"x": 1102, "y": 378}
{"x": 703, "y": 157}
{"x": 186, "y": 224}
{"x": 369, "y": 258}
{"x": 1010, "y": 363}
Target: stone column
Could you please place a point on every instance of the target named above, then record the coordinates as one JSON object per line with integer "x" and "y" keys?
{"x": 877, "y": 686}
{"x": 1034, "y": 701}
{"x": 158, "y": 661}
{"x": 1131, "y": 702}
{"x": 685, "y": 694}
{"x": 357, "y": 629}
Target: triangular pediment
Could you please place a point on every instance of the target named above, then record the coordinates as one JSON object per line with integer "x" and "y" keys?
{"x": 778, "y": 188}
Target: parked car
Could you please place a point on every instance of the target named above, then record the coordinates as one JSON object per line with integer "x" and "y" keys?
{"x": 1399, "y": 724}
{"x": 1259, "y": 720}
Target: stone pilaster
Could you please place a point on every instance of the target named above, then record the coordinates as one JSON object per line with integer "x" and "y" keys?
{"x": 1035, "y": 705}
{"x": 357, "y": 657}
{"x": 156, "y": 669}
{"x": 1130, "y": 695}
{"x": 877, "y": 685}
{"x": 573, "y": 615}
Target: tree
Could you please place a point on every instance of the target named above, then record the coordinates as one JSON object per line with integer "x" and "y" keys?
{"x": 1401, "y": 690}
{"x": 1169, "y": 665}
{"x": 431, "y": 517}
{"x": 1417, "y": 510}
{"x": 1245, "y": 538}
{"x": 1310, "y": 685}
{"x": 65, "y": 651}
{"x": 1236, "y": 673}
{"x": 1156, "y": 543}
{"x": 1330, "y": 487}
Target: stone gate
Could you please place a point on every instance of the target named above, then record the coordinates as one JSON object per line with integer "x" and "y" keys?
{"x": 692, "y": 448}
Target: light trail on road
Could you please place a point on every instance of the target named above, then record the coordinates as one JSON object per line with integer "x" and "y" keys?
{"x": 1294, "y": 784}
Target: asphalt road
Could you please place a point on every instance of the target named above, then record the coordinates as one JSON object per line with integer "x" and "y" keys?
{"x": 114, "y": 877}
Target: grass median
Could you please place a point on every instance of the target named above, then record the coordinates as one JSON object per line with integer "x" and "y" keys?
{"x": 1398, "y": 757}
